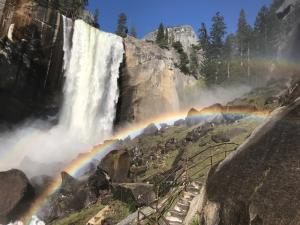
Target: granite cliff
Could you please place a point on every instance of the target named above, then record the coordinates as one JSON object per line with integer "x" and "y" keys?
{"x": 185, "y": 34}
{"x": 150, "y": 83}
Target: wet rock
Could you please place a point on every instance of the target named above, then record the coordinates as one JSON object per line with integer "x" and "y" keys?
{"x": 16, "y": 195}
{"x": 117, "y": 165}
{"x": 137, "y": 193}
{"x": 220, "y": 138}
{"x": 98, "y": 181}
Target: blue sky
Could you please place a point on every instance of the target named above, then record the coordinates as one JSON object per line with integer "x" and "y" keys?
{"x": 146, "y": 15}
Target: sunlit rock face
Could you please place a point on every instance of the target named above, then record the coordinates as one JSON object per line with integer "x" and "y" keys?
{"x": 150, "y": 83}
{"x": 185, "y": 34}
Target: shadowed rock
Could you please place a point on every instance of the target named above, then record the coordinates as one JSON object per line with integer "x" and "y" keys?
{"x": 259, "y": 183}
{"x": 16, "y": 194}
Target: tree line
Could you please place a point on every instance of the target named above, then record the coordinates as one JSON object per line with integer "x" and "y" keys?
{"x": 243, "y": 56}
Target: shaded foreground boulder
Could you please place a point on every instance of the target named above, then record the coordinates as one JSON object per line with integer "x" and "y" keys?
{"x": 16, "y": 194}
{"x": 138, "y": 194}
{"x": 259, "y": 183}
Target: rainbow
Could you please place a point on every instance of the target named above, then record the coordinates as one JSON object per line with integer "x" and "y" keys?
{"x": 104, "y": 148}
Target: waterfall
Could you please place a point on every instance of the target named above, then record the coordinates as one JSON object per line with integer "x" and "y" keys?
{"x": 67, "y": 35}
{"x": 91, "y": 85}
{"x": 91, "y": 69}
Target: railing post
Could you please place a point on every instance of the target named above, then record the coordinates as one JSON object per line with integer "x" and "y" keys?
{"x": 186, "y": 174}
{"x": 138, "y": 217}
{"x": 211, "y": 161}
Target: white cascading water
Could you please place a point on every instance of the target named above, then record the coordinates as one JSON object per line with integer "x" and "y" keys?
{"x": 91, "y": 70}
{"x": 67, "y": 35}
{"x": 91, "y": 86}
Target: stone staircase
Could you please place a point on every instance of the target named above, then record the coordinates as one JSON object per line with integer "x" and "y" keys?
{"x": 178, "y": 213}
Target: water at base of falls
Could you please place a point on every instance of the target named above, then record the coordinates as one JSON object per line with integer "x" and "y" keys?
{"x": 91, "y": 70}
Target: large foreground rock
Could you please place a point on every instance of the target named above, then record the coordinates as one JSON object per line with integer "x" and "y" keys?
{"x": 259, "y": 183}
{"x": 16, "y": 193}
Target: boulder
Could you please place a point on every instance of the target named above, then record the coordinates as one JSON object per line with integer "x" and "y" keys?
{"x": 220, "y": 138}
{"x": 151, "y": 129}
{"x": 259, "y": 183}
{"x": 116, "y": 164}
{"x": 68, "y": 183}
{"x": 138, "y": 194}
{"x": 16, "y": 195}
{"x": 100, "y": 180}
{"x": 193, "y": 117}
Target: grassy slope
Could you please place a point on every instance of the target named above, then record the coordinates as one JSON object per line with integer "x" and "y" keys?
{"x": 119, "y": 212}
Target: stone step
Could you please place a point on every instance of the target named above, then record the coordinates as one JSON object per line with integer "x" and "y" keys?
{"x": 184, "y": 202}
{"x": 196, "y": 185}
{"x": 174, "y": 219}
{"x": 177, "y": 214}
{"x": 188, "y": 195}
{"x": 180, "y": 209}
{"x": 194, "y": 191}
{"x": 183, "y": 207}
{"x": 193, "y": 188}
{"x": 174, "y": 223}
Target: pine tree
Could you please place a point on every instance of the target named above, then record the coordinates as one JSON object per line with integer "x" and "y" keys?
{"x": 229, "y": 51}
{"x": 244, "y": 33}
{"x": 166, "y": 37}
{"x": 203, "y": 37}
{"x": 218, "y": 31}
{"x": 261, "y": 31}
{"x": 122, "y": 29}
{"x": 194, "y": 61}
{"x": 204, "y": 44}
{"x": 96, "y": 18}
{"x": 184, "y": 60}
{"x": 160, "y": 38}
{"x": 217, "y": 34}
{"x": 133, "y": 32}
